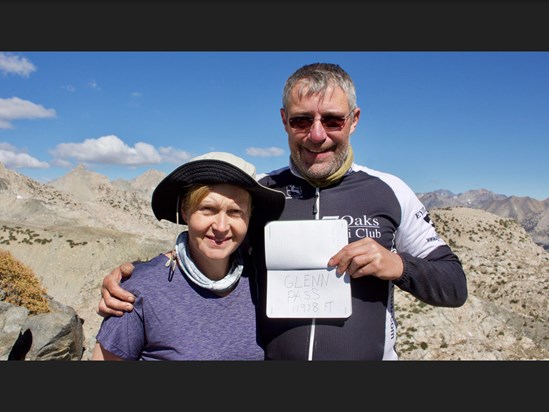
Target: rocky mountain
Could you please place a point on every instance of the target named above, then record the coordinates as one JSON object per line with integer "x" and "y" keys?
{"x": 531, "y": 213}
{"x": 143, "y": 185}
{"x": 81, "y": 198}
{"x": 76, "y": 229}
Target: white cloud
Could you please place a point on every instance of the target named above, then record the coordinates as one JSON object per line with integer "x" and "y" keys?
{"x": 62, "y": 163}
{"x": 112, "y": 150}
{"x": 171, "y": 155}
{"x": 6, "y": 146}
{"x": 93, "y": 84}
{"x": 265, "y": 152}
{"x": 15, "y": 108}
{"x": 17, "y": 65}
{"x": 12, "y": 158}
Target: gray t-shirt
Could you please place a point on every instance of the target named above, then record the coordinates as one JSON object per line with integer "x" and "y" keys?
{"x": 173, "y": 319}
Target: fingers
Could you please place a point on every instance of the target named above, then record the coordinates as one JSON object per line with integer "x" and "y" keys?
{"x": 104, "y": 311}
{"x": 113, "y": 306}
{"x": 349, "y": 255}
{"x": 126, "y": 269}
{"x": 367, "y": 257}
{"x": 111, "y": 288}
{"x": 111, "y": 285}
{"x": 115, "y": 300}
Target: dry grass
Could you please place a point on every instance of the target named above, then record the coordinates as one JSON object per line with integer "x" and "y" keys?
{"x": 19, "y": 286}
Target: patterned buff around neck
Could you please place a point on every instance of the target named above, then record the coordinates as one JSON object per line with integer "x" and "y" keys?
{"x": 188, "y": 267}
{"x": 334, "y": 177}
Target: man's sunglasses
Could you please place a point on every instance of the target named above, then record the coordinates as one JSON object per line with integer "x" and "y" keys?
{"x": 329, "y": 122}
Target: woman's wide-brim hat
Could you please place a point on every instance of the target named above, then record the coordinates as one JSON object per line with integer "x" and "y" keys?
{"x": 215, "y": 168}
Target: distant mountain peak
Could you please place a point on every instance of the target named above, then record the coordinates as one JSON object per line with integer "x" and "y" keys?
{"x": 84, "y": 184}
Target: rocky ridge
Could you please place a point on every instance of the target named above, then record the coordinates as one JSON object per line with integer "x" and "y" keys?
{"x": 506, "y": 314}
{"x": 532, "y": 214}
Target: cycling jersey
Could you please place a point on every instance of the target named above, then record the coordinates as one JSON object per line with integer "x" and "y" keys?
{"x": 376, "y": 205}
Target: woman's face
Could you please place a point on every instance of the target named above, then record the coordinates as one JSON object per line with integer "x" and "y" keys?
{"x": 218, "y": 223}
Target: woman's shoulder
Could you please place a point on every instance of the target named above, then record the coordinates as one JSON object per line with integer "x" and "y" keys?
{"x": 148, "y": 271}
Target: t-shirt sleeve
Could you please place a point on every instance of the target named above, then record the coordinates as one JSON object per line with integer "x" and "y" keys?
{"x": 124, "y": 336}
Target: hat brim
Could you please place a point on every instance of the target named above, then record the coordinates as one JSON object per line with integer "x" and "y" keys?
{"x": 268, "y": 204}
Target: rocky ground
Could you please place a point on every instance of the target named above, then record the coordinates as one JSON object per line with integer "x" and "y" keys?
{"x": 506, "y": 315}
{"x": 72, "y": 262}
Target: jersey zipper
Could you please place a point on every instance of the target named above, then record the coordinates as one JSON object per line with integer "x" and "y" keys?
{"x": 316, "y": 214}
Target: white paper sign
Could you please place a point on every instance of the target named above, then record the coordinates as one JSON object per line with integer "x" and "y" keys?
{"x": 299, "y": 282}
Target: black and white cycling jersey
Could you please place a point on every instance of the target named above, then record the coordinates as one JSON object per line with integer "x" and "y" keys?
{"x": 376, "y": 205}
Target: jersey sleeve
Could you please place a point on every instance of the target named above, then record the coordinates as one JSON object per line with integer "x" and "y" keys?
{"x": 432, "y": 272}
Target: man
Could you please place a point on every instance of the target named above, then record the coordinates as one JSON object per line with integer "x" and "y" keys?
{"x": 392, "y": 241}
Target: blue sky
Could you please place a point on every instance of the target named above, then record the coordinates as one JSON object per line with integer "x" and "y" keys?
{"x": 439, "y": 120}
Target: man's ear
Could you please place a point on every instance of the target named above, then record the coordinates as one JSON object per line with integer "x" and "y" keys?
{"x": 283, "y": 116}
{"x": 356, "y": 117}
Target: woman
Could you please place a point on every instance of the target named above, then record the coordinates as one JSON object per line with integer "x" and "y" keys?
{"x": 197, "y": 303}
